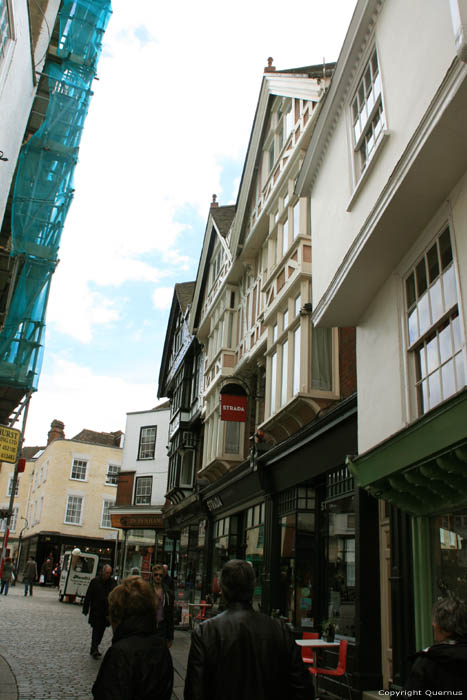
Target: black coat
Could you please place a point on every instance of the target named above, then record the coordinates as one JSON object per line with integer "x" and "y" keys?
{"x": 96, "y": 600}
{"x": 167, "y": 625}
{"x": 244, "y": 655}
{"x": 138, "y": 665}
{"x": 441, "y": 667}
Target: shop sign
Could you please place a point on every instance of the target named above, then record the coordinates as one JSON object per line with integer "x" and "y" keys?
{"x": 214, "y": 503}
{"x": 138, "y": 522}
{"x": 9, "y": 442}
{"x": 233, "y": 408}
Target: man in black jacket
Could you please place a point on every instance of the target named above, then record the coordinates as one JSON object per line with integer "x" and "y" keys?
{"x": 242, "y": 654}
{"x": 97, "y": 604}
{"x": 443, "y": 666}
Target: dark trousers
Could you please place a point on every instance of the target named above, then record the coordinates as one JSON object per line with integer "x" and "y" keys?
{"x": 98, "y": 630}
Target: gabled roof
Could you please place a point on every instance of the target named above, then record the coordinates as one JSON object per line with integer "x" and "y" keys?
{"x": 181, "y": 301}
{"x": 219, "y": 223}
{"x": 31, "y": 452}
{"x": 293, "y": 83}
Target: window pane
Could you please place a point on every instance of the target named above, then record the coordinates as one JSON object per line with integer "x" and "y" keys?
{"x": 432, "y": 354}
{"x": 285, "y": 320}
{"x": 232, "y": 437}
{"x": 436, "y": 301}
{"x": 272, "y": 404}
{"x": 410, "y": 290}
{"x": 449, "y": 285}
{"x": 143, "y": 490}
{"x": 448, "y": 379}
{"x": 424, "y": 314}
{"x": 445, "y": 249}
{"x": 434, "y": 388}
{"x": 285, "y": 236}
{"x": 413, "y": 326}
{"x": 78, "y": 470}
{"x": 433, "y": 263}
{"x": 456, "y": 333}
{"x": 296, "y": 220}
{"x": 296, "y": 362}
{"x": 421, "y": 277}
{"x": 297, "y": 305}
{"x": 284, "y": 372}
{"x": 147, "y": 442}
{"x": 445, "y": 348}
{"x": 460, "y": 370}
{"x": 321, "y": 361}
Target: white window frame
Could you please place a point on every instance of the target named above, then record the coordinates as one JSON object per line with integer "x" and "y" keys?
{"x": 107, "y": 474}
{"x": 427, "y": 340}
{"x": 110, "y": 503}
{"x": 366, "y": 104}
{"x": 46, "y": 470}
{"x": 138, "y": 480}
{"x": 10, "y": 486}
{"x": 84, "y": 461}
{"x": 74, "y": 496}
{"x": 141, "y": 443}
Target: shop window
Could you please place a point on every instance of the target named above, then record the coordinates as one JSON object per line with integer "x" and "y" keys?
{"x": 434, "y": 325}
{"x": 79, "y": 470}
{"x": 254, "y": 546}
{"x": 147, "y": 442}
{"x": 143, "y": 490}
{"x": 340, "y": 556}
{"x": 449, "y": 555}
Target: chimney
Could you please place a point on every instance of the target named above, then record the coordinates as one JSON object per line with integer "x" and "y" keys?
{"x": 270, "y": 68}
{"x": 214, "y": 202}
{"x": 56, "y": 431}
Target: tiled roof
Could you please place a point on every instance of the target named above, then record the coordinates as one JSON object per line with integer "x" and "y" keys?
{"x": 30, "y": 452}
{"x": 96, "y": 438}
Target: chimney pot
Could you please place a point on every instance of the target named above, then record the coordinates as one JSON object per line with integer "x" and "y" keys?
{"x": 214, "y": 202}
{"x": 270, "y": 68}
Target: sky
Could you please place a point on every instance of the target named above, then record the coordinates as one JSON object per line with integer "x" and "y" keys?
{"x": 168, "y": 127}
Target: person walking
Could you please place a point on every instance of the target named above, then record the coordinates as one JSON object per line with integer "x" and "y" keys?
{"x": 7, "y": 574}
{"x": 138, "y": 665}
{"x": 164, "y": 599}
{"x": 443, "y": 666}
{"x": 97, "y": 605}
{"x": 242, "y": 653}
{"x": 29, "y": 575}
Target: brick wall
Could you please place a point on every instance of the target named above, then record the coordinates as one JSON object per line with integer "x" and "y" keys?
{"x": 347, "y": 362}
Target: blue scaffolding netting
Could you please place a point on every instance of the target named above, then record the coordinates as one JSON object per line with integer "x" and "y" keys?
{"x": 43, "y": 188}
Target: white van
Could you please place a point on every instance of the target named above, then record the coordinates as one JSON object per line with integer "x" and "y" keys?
{"x": 78, "y": 569}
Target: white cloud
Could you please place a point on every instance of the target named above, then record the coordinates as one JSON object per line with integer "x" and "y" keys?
{"x": 82, "y": 399}
{"x": 162, "y": 297}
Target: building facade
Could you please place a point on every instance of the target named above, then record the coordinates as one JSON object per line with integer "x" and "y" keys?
{"x": 142, "y": 484}
{"x": 278, "y": 404}
{"x": 390, "y": 258}
{"x": 63, "y": 496}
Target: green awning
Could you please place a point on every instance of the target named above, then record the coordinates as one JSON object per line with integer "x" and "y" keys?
{"x": 423, "y": 468}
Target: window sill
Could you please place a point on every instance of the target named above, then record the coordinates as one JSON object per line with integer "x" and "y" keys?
{"x": 72, "y": 478}
{"x": 369, "y": 167}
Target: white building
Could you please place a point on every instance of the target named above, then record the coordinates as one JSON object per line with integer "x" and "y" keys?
{"x": 142, "y": 485}
{"x": 390, "y": 257}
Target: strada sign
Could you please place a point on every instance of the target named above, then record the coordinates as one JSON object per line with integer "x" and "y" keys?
{"x": 233, "y": 408}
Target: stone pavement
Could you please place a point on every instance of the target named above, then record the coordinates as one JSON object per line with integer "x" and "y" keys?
{"x": 44, "y": 649}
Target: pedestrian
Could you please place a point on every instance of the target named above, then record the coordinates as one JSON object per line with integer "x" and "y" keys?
{"x": 168, "y": 580}
{"x": 138, "y": 665}
{"x": 443, "y": 666}
{"x": 164, "y": 599}
{"x": 46, "y": 572}
{"x": 7, "y": 575}
{"x": 97, "y": 604}
{"x": 29, "y": 575}
{"x": 242, "y": 653}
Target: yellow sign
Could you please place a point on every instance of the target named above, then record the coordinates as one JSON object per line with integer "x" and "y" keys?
{"x": 9, "y": 441}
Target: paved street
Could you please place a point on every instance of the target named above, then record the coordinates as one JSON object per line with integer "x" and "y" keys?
{"x": 46, "y": 644}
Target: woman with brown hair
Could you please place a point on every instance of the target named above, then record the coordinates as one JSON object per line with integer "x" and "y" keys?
{"x": 138, "y": 665}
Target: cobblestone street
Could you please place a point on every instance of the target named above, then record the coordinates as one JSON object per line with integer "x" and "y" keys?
{"x": 46, "y": 644}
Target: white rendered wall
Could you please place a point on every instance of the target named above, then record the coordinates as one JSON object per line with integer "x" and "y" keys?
{"x": 413, "y": 64}
{"x": 157, "y": 467}
{"x": 17, "y": 87}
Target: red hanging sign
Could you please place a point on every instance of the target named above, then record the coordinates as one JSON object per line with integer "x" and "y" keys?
{"x": 233, "y": 408}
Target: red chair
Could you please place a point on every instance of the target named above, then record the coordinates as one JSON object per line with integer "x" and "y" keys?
{"x": 307, "y": 652}
{"x": 340, "y": 670}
